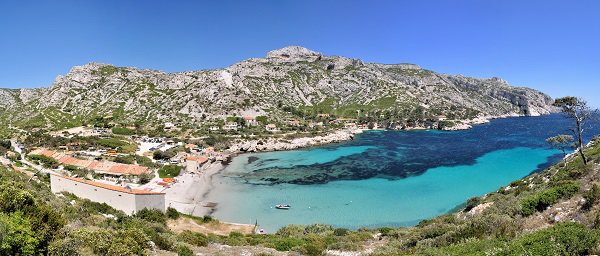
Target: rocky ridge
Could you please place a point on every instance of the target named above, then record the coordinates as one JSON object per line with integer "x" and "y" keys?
{"x": 289, "y": 78}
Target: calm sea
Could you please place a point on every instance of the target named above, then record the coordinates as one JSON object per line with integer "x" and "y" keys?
{"x": 384, "y": 178}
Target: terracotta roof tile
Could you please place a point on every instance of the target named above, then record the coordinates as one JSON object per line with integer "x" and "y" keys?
{"x": 110, "y": 187}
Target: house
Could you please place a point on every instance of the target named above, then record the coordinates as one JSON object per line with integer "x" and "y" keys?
{"x": 442, "y": 118}
{"x": 231, "y": 126}
{"x": 344, "y": 120}
{"x": 350, "y": 126}
{"x": 110, "y": 171}
{"x": 250, "y": 121}
{"x": 293, "y": 122}
{"x": 169, "y": 126}
{"x": 125, "y": 199}
{"x": 193, "y": 164}
{"x": 323, "y": 115}
{"x": 315, "y": 124}
{"x": 271, "y": 128}
{"x": 214, "y": 128}
{"x": 192, "y": 147}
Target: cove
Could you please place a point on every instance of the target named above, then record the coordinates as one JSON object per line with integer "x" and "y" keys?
{"x": 374, "y": 202}
{"x": 389, "y": 178}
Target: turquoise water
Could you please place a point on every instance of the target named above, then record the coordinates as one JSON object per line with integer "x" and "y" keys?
{"x": 392, "y": 178}
{"x": 373, "y": 202}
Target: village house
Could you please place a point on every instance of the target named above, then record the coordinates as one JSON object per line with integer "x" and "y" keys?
{"x": 344, "y": 120}
{"x": 271, "y": 128}
{"x": 193, "y": 147}
{"x": 110, "y": 171}
{"x": 125, "y": 199}
{"x": 169, "y": 126}
{"x": 293, "y": 122}
{"x": 214, "y": 128}
{"x": 193, "y": 164}
{"x": 250, "y": 121}
{"x": 350, "y": 125}
{"x": 315, "y": 124}
{"x": 323, "y": 115}
{"x": 231, "y": 126}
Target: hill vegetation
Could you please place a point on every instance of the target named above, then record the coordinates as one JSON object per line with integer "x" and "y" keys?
{"x": 554, "y": 212}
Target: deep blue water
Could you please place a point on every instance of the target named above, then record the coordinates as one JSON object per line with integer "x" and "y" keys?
{"x": 385, "y": 178}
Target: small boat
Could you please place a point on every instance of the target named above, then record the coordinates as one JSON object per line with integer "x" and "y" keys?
{"x": 283, "y": 206}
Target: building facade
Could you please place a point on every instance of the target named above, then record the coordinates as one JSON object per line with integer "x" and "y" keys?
{"x": 127, "y": 200}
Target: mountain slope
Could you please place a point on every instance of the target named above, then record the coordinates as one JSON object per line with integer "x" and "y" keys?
{"x": 292, "y": 77}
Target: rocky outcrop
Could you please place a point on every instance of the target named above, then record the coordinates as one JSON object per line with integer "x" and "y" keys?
{"x": 275, "y": 144}
{"x": 287, "y": 78}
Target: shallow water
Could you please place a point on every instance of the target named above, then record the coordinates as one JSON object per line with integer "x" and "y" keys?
{"x": 383, "y": 178}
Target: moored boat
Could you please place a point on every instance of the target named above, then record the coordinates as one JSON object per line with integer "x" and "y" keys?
{"x": 283, "y": 206}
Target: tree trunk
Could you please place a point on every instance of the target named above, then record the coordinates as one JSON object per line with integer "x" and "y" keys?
{"x": 580, "y": 142}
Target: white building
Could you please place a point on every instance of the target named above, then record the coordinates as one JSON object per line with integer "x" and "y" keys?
{"x": 127, "y": 200}
{"x": 231, "y": 126}
{"x": 193, "y": 164}
{"x": 271, "y": 128}
{"x": 250, "y": 121}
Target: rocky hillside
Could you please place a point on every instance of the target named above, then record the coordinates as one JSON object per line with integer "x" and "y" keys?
{"x": 287, "y": 82}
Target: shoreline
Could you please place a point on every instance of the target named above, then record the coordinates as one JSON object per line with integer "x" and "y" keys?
{"x": 189, "y": 195}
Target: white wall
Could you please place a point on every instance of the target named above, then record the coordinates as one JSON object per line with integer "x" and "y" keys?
{"x": 126, "y": 202}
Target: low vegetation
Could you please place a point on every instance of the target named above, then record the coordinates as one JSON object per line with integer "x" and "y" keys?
{"x": 169, "y": 171}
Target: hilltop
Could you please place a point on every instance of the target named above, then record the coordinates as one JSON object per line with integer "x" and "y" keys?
{"x": 287, "y": 83}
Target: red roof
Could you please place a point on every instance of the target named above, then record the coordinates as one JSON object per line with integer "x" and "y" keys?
{"x": 110, "y": 187}
{"x": 199, "y": 159}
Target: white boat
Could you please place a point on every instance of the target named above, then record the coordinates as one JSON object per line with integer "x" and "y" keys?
{"x": 283, "y": 206}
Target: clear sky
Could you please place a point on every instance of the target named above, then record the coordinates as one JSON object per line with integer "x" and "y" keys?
{"x": 553, "y": 46}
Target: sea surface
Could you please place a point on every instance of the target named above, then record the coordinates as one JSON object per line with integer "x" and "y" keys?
{"x": 384, "y": 178}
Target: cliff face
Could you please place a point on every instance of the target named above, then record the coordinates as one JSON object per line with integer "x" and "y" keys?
{"x": 290, "y": 77}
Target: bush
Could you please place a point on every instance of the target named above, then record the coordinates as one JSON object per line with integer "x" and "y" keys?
{"x": 169, "y": 171}
{"x": 541, "y": 200}
{"x": 144, "y": 161}
{"x": 471, "y": 203}
{"x": 286, "y": 244}
{"x": 129, "y": 159}
{"x": 172, "y": 213}
{"x": 145, "y": 178}
{"x": 163, "y": 155}
{"x": 341, "y": 231}
{"x": 183, "y": 250}
{"x": 45, "y": 161}
{"x": 591, "y": 197}
{"x": 152, "y": 215}
{"x": 193, "y": 238}
{"x": 565, "y": 238}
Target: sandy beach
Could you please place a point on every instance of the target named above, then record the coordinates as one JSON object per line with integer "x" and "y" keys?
{"x": 188, "y": 194}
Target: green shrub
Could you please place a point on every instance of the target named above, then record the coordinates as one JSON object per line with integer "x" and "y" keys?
{"x": 45, "y": 161}
{"x": 151, "y": 215}
{"x": 341, "y": 231}
{"x": 591, "y": 196}
{"x": 183, "y": 250}
{"x": 471, "y": 203}
{"x": 193, "y": 238}
{"x": 565, "y": 238}
{"x": 287, "y": 244}
{"x": 541, "y": 200}
{"x": 129, "y": 159}
{"x": 172, "y": 213}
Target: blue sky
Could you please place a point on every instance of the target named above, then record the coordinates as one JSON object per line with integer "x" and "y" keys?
{"x": 553, "y": 46}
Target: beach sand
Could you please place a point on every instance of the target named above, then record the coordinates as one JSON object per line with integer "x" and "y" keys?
{"x": 188, "y": 194}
